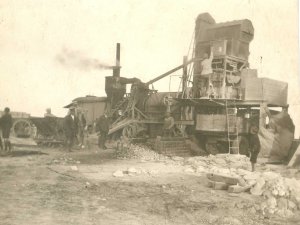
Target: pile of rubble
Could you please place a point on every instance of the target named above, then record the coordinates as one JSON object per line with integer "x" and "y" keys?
{"x": 281, "y": 195}
{"x": 134, "y": 151}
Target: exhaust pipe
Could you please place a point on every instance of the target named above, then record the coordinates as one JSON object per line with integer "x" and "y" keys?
{"x": 117, "y": 68}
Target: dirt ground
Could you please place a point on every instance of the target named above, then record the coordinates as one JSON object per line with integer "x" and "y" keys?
{"x": 50, "y": 186}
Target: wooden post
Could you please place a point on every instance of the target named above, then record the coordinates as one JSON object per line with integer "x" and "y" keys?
{"x": 184, "y": 75}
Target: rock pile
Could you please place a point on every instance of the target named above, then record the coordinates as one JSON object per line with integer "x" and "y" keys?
{"x": 134, "y": 151}
{"x": 132, "y": 171}
{"x": 281, "y": 195}
{"x": 222, "y": 163}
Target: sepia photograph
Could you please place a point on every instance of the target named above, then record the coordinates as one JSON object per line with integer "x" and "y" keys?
{"x": 139, "y": 112}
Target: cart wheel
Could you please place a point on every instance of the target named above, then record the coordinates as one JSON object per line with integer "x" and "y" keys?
{"x": 21, "y": 128}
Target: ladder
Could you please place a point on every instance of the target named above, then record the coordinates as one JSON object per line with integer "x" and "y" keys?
{"x": 232, "y": 129}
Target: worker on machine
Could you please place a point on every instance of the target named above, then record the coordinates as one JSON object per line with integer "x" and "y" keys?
{"x": 204, "y": 84}
{"x": 169, "y": 125}
{"x": 48, "y": 113}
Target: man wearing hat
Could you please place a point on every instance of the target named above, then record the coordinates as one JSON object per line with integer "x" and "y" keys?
{"x": 102, "y": 128}
{"x": 70, "y": 128}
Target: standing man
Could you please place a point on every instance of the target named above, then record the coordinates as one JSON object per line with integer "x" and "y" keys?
{"x": 70, "y": 128}
{"x": 102, "y": 128}
{"x": 81, "y": 127}
{"x": 206, "y": 72}
{"x": 254, "y": 145}
{"x": 168, "y": 127}
{"x": 6, "y": 125}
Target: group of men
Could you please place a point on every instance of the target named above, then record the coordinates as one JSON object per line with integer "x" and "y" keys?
{"x": 75, "y": 129}
{"x": 5, "y": 126}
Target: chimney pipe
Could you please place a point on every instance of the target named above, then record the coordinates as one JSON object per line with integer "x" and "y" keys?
{"x": 116, "y": 70}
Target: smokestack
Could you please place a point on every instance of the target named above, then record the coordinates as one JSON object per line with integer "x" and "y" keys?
{"x": 117, "y": 68}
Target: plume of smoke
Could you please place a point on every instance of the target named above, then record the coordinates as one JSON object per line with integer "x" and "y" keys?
{"x": 76, "y": 59}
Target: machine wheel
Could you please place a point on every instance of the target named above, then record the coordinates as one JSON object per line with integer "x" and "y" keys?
{"x": 21, "y": 128}
{"x": 129, "y": 131}
{"x": 132, "y": 130}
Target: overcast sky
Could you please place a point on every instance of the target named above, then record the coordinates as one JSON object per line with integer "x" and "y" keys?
{"x": 154, "y": 36}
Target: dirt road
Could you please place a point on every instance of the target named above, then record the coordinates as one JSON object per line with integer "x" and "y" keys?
{"x": 48, "y": 186}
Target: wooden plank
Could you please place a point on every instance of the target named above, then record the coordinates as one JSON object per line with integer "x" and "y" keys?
{"x": 295, "y": 159}
{"x": 231, "y": 180}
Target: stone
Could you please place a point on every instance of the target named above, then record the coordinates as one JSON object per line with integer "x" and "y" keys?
{"x": 118, "y": 173}
{"x": 189, "y": 170}
{"x": 243, "y": 172}
{"x": 272, "y": 203}
{"x": 275, "y": 192}
{"x": 270, "y": 175}
{"x": 220, "y": 161}
{"x": 267, "y": 194}
{"x": 201, "y": 169}
{"x": 177, "y": 158}
{"x": 258, "y": 188}
{"x": 228, "y": 179}
{"x": 74, "y": 168}
{"x": 282, "y": 203}
{"x": 132, "y": 170}
{"x": 251, "y": 176}
{"x": 252, "y": 210}
{"x": 291, "y": 205}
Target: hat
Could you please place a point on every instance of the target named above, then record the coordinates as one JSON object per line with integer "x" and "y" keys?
{"x": 71, "y": 107}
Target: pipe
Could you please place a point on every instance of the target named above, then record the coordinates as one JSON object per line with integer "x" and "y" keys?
{"x": 117, "y": 68}
{"x": 169, "y": 72}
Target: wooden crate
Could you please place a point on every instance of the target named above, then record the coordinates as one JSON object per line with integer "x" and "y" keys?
{"x": 265, "y": 89}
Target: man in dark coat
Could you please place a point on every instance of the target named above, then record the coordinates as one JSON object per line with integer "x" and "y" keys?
{"x": 70, "y": 128}
{"x": 6, "y": 125}
{"x": 102, "y": 128}
{"x": 254, "y": 145}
